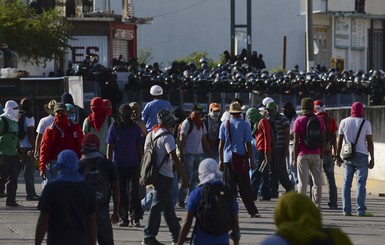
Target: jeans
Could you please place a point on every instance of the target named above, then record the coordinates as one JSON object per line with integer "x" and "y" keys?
{"x": 328, "y": 166}
{"x": 357, "y": 166}
{"x": 278, "y": 172}
{"x": 103, "y": 220}
{"x": 175, "y": 188}
{"x": 310, "y": 163}
{"x": 9, "y": 167}
{"x": 29, "y": 172}
{"x": 191, "y": 164}
{"x": 162, "y": 204}
{"x": 129, "y": 193}
{"x": 147, "y": 199}
{"x": 260, "y": 182}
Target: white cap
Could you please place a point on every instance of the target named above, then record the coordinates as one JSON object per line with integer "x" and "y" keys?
{"x": 156, "y": 90}
{"x": 265, "y": 101}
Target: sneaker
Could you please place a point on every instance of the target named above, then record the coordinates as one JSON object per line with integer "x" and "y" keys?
{"x": 33, "y": 198}
{"x": 124, "y": 223}
{"x": 181, "y": 204}
{"x": 366, "y": 214}
{"x": 135, "y": 223}
{"x": 256, "y": 215}
{"x": 347, "y": 214}
{"x": 151, "y": 241}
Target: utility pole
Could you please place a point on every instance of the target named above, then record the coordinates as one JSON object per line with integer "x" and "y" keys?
{"x": 309, "y": 35}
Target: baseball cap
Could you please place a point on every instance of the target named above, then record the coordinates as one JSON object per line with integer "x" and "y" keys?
{"x": 197, "y": 108}
{"x": 91, "y": 142}
{"x": 214, "y": 106}
{"x": 265, "y": 101}
{"x": 59, "y": 106}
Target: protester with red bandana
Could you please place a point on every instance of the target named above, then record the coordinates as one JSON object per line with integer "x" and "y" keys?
{"x": 192, "y": 143}
{"x": 330, "y": 149}
{"x": 359, "y": 164}
{"x": 108, "y": 107}
{"x": 98, "y": 122}
{"x": 61, "y": 135}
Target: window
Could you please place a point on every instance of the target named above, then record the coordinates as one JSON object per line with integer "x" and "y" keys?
{"x": 360, "y": 6}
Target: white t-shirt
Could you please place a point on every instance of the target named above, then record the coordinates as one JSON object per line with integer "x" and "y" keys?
{"x": 349, "y": 128}
{"x": 28, "y": 122}
{"x": 193, "y": 143}
{"x": 164, "y": 145}
{"x": 44, "y": 123}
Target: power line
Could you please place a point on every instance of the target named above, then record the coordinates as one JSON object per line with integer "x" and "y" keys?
{"x": 181, "y": 9}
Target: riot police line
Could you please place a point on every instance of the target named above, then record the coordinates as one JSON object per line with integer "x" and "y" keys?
{"x": 239, "y": 77}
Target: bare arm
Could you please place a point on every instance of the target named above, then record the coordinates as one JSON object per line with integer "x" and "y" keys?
{"x": 116, "y": 199}
{"x": 179, "y": 169}
{"x": 296, "y": 138}
{"x": 339, "y": 147}
{"x": 220, "y": 154}
{"x": 91, "y": 222}
{"x": 369, "y": 140}
{"x": 185, "y": 228}
{"x": 41, "y": 227}
{"x": 37, "y": 146}
{"x": 110, "y": 149}
{"x": 182, "y": 144}
{"x": 334, "y": 143}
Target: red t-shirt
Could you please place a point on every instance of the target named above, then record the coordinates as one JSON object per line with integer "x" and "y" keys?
{"x": 262, "y": 136}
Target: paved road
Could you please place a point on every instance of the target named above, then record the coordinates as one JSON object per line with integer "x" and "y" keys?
{"x": 17, "y": 226}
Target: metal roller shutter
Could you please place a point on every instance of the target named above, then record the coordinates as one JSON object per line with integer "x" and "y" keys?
{"x": 120, "y": 47}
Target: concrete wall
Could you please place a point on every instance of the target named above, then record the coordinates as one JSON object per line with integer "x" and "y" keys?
{"x": 376, "y": 116}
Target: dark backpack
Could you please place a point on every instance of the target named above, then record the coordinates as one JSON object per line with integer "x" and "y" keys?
{"x": 215, "y": 213}
{"x": 312, "y": 134}
{"x": 5, "y": 125}
{"x": 149, "y": 168}
{"x": 95, "y": 177}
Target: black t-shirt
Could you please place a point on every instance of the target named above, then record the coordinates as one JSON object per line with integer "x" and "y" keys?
{"x": 68, "y": 205}
{"x": 107, "y": 168}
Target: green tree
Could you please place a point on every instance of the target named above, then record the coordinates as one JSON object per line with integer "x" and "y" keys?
{"x": 145, "y": 56}
{"x": 36, "y": 38}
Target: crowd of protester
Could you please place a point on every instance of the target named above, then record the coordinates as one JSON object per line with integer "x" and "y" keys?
{"x": 254, "y": 150}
